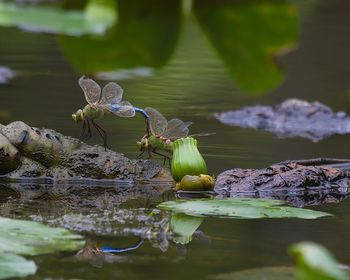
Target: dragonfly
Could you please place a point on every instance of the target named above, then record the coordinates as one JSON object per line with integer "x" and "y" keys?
{"x": 100, "y": 103}
{"x": 162, "y": 134}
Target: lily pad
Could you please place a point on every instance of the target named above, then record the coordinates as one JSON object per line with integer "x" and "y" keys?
{"x": 32, "y": 238}
{"x": 96, "y": 19}
{"x": 239, "y": 208}
{"x": 15, "y": 266}
{"x": 315, "y": 262}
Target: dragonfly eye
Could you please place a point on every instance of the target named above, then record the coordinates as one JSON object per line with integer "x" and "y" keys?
{"x": 144, "y": 143}
{"x": 78, "y": 116}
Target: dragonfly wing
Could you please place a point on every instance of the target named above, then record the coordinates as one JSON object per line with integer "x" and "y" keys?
{"x": 112, "y": 93}
{"x": 157, "y": 121}
{"x": 92, "y": 90}
{"x": 176, "y": 129}
{"x": 123, "y": 109}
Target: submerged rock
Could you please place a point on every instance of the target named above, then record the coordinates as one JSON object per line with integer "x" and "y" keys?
{"x": 31, "y": 152}
{"x": 292, "y": 118}
{"x": 296, "y": 183}
{"x": 6, "y": 74}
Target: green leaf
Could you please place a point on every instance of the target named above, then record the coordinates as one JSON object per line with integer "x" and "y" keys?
{"x": 249, "y": 36}
{"x": 32, "y": 238}
{"x": 144, "y": 37}
{"x": 183, "y": 226}
{"x": 239, "y": 208}
{"x": 53, "y": 20}
{"x": 15, "y": 266}
{"x": 315, "y": 262}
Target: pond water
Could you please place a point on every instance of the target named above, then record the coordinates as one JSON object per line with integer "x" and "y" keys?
{"x": 188, "y": 60}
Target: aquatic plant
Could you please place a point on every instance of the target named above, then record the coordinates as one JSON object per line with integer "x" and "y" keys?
{"x": 19, "y": 237}
{"x": 246, "y": 208}
{"x": 187, "y": 159}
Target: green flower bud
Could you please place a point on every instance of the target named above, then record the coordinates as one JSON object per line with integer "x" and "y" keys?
{"x": 186, "y": 160}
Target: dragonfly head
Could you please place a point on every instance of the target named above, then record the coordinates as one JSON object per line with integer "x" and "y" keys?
{"x": 78, "y": 116}
{"x": 143, "y": 144}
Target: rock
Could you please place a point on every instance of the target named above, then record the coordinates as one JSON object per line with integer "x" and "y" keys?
{"x": 9, "y": 156}
{"x": 6, "y": 74}
{"x": 49, "y": 155}
{"x": 292, "y": 118}
{"x": 299, "y": 184}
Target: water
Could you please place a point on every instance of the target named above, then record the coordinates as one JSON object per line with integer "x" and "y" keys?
{"x": 187, "y": 74}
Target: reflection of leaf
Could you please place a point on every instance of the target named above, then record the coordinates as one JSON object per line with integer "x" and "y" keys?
{"x": 96, "y": 18}
{"x": 249, "y": 35}
{"x": 183, "y": 226}
{"x": 239, "y": 208}
{"x": 268, "y": 273}
{"x": 15, "y": 266}
{"x": 145, "y": 35}
{"x": 315, "y": 262}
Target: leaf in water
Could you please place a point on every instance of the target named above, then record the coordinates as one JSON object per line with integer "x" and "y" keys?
{"x": 315, "y": 262}
{"x": 15, "y": 266}
{"x": 183, "y": 226}
{"x": 239, "y": 208}
{"x": 268, "y": 273}
{"x": 32, "y": 238}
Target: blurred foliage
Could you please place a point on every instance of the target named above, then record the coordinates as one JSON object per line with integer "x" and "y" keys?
{"x": 96, "y": 18}
{"x": 249, "y": 35}
{"x": 30, "y": 238}
{"x": 12, "y": 265}
{"x": 315, "y": 262}
{"x": 145, "y": 35}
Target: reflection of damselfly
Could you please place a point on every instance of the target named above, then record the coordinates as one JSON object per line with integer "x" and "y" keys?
{"x": 163, "y": 133}
{"x": 102, "y": 103}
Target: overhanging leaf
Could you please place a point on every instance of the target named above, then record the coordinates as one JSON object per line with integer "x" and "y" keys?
{"x": 15, "y": 266}
{"x": 239, "y": 208}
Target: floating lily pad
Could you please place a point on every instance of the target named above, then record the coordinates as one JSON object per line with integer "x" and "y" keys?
{"x": 96, "y": 18}
{"x": 239, "y": 208}
{"x": 315, "y": 262}
{"x": 31, "y": 238}
{"x": 15, "y": 266}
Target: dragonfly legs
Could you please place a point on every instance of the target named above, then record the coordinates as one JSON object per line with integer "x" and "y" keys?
{"x": 101, "y": 132}
{"x": 165, "y": 157}
{"x": 85, "y": 130}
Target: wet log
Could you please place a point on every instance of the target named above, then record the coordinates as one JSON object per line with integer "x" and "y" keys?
{"x": 31, "y": 152}
{"x": 291, "y": 181}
